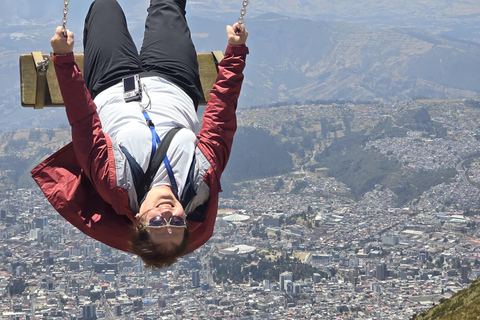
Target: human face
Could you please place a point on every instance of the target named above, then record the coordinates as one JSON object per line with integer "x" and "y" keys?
{"x": 160, "y": 201}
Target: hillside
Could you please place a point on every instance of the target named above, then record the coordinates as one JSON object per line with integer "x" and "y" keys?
{"x": 362, "y": 168}
{"x": 464, "y": 305}
{"x": 342, "y": 61}
{"x": 347, "y": 62}
{"x": 397, "y": 146}
{"x": 20, "y": 151}
{"x": 456, "y": 18}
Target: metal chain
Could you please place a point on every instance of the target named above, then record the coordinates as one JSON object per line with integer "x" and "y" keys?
{"x": 243, "y": 12}
{"x": 64, "y": 20}
{"x": 42, "y": 66}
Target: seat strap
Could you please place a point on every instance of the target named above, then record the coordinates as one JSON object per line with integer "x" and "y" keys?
{"x": 41, "y": 81}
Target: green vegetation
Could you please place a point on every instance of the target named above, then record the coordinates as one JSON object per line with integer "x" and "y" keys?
{"x": 240, "y": 269}
{"x": 13, "y": 167}
{"x": 287, "y": 144}
{"x": 361, "y": 169}
{"x": 20, "y": 151}
{"x": 464, "y": 305}
{"x": 420, "y": 120}
{"x": 473, "y": 103}
{"x": 255, "y": 154}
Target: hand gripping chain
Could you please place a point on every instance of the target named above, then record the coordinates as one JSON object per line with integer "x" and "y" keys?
{"x": 42, "y": 66}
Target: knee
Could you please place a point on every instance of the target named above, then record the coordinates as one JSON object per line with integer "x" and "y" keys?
{"x": 104, "y": 7}
{"x": 105, "y": 4}
{"x": 168, "y": 5}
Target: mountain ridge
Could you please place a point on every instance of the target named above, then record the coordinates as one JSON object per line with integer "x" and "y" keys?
{"x": 292, "y": 59}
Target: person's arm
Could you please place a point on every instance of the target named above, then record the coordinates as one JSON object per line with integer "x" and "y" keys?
{"x": 219, "y": 120}
{"x": 92, "y": 146}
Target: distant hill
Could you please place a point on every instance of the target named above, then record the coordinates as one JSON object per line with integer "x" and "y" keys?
{"x": 20, "y": 151}
{"x": 454, "y": 18}
{"x": 280, "y": 140}
{"x": 290, "y": 62}
{"x": 361, "y": 169}
{"x": 296, "y": 60}
{"x": 256, "y": 154}
{"x": 347, "y": 62}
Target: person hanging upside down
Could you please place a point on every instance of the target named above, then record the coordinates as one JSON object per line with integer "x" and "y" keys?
{"x": 103, "y": 182}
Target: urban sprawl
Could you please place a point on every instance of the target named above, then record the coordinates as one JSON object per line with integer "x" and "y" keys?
{"x": 374, "y": 259}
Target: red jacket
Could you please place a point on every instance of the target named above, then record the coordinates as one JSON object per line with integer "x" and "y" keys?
{"x": 80, "y": 182}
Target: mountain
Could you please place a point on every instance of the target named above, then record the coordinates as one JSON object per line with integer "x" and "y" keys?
{"x": 341, "y": 61}
{"x": 292, "y": 58}
{"x": 346, "y": 140}
{"x": 453, "y": 18}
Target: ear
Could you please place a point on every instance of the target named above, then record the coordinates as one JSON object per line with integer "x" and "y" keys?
{"x": 137, "y": 225}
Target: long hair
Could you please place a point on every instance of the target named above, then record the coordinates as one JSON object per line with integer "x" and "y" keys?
{"x": 154, "y": 255}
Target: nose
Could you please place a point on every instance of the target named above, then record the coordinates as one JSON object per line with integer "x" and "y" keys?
{"x": 167, "y": 215}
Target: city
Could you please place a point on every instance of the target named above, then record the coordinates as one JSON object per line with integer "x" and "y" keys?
{"x": 369, "y": 257}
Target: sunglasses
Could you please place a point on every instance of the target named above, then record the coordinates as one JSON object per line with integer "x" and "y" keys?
{"x": 160, "y": 222}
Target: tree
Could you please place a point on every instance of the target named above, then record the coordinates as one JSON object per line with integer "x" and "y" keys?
{"x": 422, "y": 116}
{"x": 17, "y": 286}
{"x": 50, "y": 134}
{"x": 95, "y": 295}
{"x": 279, "y": 185}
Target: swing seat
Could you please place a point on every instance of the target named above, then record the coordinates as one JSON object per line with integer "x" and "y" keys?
{"x": 39, "y": 90}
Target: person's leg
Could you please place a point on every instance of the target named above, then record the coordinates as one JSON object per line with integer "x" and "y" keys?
{"x": 109, "y": 51}
{"x": 168, "y": 49}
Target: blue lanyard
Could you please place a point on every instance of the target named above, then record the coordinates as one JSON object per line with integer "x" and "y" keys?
{"x": 156, "y": 141}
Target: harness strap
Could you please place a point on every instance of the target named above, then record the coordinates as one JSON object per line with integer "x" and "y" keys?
{"x": 156, "y": 160}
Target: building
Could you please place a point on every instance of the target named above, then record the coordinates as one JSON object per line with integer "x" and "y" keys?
{"x": 382, "y": 271}
{"x": 240, "y": 249}
{"x": 272, "y": 219}
{"x": 320, "y": 258}
{"x": 196, "y": 278}
{"x": 297, "y": 288}
{"x": 236, "y": 217}
{"x": 317, "y": 277}
{"x": 288, "y": 284}
{"x": 41, "y": 223}
{"x": 118, "y": 310}
{"x": 391, "y": 240}
{"x": 284, "y": 277}
{"x": 464, "y": 274}
{"x": 89, "y": 312}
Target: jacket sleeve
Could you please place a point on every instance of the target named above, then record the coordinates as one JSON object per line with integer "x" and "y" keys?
{"x": 219, "y": 121}
{"x": 91, "y": 145}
